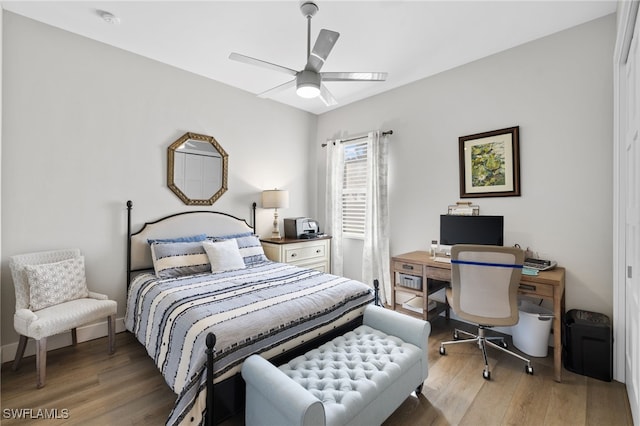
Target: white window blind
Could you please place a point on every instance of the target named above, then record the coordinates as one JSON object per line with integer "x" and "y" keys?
{"x": 354, "y": 188}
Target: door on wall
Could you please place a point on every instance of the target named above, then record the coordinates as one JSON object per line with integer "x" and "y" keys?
{"x": 630, "y": 161}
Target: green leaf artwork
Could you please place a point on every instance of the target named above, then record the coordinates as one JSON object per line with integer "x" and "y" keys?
{"x": 488, "y": 164}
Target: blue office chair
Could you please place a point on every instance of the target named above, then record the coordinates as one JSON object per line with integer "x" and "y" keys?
{"x": 484, "y": 290}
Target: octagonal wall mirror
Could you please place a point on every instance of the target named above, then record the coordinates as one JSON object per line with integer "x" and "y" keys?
{"x": 197, "y": 169}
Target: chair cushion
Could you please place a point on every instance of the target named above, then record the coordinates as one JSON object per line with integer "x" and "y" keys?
{"x": 54, "y": 283}
{"x": 62, "y": 317}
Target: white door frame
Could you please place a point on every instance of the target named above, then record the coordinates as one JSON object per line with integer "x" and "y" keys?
{"x": 626, "y": 20}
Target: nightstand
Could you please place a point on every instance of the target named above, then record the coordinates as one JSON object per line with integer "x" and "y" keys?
{"x": 314, "y": 253}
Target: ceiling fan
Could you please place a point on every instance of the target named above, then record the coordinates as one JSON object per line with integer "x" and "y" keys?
{"x": 308, "y": 82}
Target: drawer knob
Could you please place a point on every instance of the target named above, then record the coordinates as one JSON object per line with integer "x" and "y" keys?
{"x": 293, "y": 254}
{"x": 318, "y": 251}
{"x": 407, "y": 266}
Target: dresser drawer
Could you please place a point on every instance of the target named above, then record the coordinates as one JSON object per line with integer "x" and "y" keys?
{"x": 313, "y": 254}
{"x": 296, "y": 253}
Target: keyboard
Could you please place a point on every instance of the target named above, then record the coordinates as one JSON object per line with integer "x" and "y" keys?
{"x": 442, "y": 259}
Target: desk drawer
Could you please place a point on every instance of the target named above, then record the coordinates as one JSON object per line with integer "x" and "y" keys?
{"x": 306, "y": 251}
{"x": 438, "y": 273}
{"x": 407, "y": 267}
{"x": 542, "y": 290}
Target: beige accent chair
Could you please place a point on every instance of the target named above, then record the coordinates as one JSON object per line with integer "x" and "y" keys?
{"x": 484, "y": 291}
{"x": 57, "y": 318}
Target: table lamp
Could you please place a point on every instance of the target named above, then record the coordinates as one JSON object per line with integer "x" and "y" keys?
{"x": 275, "y": 199}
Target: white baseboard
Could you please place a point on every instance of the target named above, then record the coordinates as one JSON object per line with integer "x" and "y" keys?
{"x": 85, "y": 333}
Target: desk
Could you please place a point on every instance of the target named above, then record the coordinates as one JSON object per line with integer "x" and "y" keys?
{"x": 547, "y": 285}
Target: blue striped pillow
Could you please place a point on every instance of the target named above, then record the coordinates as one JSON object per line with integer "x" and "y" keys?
{"x": 250, "y": 247}
{"x": 177, "y": 259}
{"x": 251, "y": 250}
{"x": 190, "y": 238}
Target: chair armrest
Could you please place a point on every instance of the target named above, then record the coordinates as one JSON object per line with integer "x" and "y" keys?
{"x": 22, "y": 319}
{"x": 274, "y": 397}
{"x": 411, "y": 330}
{"x": 99, "y": 296}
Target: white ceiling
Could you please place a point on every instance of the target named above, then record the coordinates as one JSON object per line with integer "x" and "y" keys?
{"x": 410, "y": 40}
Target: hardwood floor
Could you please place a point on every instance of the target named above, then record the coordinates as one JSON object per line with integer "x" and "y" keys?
{"x": 87, "y": 386}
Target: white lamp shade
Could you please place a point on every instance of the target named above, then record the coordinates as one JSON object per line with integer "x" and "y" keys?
{"x": 275, "y": 199}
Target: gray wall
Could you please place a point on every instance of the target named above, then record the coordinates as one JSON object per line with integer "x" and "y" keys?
{"x": 558, "y": 89}
{"x": 87, "y": 127}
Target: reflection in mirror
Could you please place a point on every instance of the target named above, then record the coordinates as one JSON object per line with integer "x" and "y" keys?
{"x": 197, "y": 169}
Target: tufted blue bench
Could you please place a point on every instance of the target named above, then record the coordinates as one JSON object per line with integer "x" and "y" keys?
{"x": 359, "y": 378}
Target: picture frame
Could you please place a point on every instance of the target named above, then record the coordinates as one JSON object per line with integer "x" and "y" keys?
{"x": 490, "y": 164}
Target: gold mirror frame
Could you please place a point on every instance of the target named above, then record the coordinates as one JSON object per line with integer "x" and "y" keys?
{"x": 171, "y": 151}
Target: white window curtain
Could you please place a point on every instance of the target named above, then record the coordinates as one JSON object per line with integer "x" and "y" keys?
{"x": 375, "y": 256}
{"x": 333, "y": 203}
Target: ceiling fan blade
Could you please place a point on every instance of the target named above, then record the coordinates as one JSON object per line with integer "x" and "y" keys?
{"x": 326, "y": 96}
{"x": 324, "y": 43}
{"x": 354, "y": 76}
{"x": 260, "y": 63}
{"x": 281, "y": 87}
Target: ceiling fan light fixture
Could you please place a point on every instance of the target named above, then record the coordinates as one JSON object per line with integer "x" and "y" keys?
{"x": 307, "y": 91}
{"x": 308, "y": 84}
{"x": 309, "y": 81}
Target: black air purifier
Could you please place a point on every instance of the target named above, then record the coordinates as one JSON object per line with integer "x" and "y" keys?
{"x": 588, "y": 344}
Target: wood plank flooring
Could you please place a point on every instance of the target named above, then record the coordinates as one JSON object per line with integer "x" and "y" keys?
{"x": 86, "y": 386}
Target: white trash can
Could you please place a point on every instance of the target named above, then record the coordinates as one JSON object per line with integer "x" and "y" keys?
{"x": 531, "y": 334}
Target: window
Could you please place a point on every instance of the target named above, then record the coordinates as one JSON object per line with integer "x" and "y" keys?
{"x": 354, "y": 189}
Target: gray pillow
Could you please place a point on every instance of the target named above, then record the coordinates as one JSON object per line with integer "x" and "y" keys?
{"x": 54, "y": 283}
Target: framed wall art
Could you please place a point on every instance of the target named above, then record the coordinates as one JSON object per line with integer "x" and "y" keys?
{"x": 490, "y": 164}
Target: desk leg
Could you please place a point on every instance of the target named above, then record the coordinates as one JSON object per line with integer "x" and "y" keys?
{"x": 558, "y": 310}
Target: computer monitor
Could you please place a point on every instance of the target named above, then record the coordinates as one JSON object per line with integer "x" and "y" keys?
{"x": 485, "y": 230}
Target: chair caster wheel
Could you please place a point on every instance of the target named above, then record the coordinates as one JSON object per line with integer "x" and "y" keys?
{"x": 528, "y": 369}
{"x": 442, "y": 350}
{"x": 505, "y": 344}
{"x": 456, "y": 336}
{"x": 419, "y": 389}
{"x": 486, "y": 375}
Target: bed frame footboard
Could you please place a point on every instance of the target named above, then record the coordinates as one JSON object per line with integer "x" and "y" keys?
{"x": 211, "y": 343}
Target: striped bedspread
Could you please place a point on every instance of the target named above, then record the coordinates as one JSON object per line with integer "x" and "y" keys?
{"x": 265, "y": 309}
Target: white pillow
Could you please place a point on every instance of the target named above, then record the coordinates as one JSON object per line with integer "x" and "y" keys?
{"x": 54, "y": 283}
{"x": 223, "y": 255}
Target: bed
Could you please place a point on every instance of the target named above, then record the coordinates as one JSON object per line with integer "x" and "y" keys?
{"x": 262, "y": 307}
